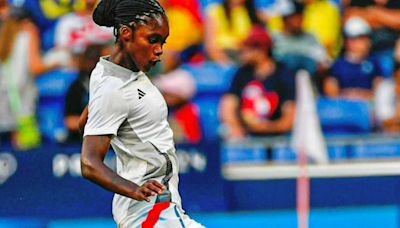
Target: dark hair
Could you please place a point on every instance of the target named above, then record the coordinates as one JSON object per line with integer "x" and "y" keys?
{"x": 114, "y": 13}
{"x": 251, "y": 10}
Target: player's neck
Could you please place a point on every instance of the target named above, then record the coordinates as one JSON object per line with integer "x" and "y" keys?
{"x": 119, "y": 57}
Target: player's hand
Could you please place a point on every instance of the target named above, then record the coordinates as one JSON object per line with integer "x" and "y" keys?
{"x": 150, "y": 188}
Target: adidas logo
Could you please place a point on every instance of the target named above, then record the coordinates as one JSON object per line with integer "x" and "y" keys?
{"x": 141, "y": 93}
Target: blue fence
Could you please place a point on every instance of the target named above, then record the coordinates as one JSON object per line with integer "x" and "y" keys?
{"x": 47, "y": 183}
{"x": 43, "y": 188}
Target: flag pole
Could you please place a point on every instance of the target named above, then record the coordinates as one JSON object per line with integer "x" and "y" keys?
{"x": 308, "y": 141}
{"x": 303, "y": 191}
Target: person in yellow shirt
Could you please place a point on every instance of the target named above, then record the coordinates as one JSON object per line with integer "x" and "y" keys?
{"x": 186, "y": 30}
{"x": 54, "y": 9}
{"x": 322, "y": 19}
{"x": 227, "y": 25}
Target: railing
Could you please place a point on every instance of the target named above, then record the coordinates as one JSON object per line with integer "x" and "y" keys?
{"x": 265, "y": 158}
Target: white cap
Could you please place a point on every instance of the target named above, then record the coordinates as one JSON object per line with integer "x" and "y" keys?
{"x": 286, "y": 8}
{"x": 356, "y": 26}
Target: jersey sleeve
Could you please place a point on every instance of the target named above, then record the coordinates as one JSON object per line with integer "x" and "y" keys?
{"x": 107, "y": 111}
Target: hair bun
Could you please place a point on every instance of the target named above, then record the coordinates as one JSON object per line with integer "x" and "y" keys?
{"x": 103, "y": 15}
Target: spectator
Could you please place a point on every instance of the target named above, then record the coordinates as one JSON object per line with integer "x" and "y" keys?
{"x": 4, "y": 13}
{"x": 54, "y": 9}
{"x": 270, "y": 13}
{"x": 4, "y": 9}
{"x": 181, "y": 16}
{"x": 260, "y": 99}
{"x": 356, "y": 74}
{"x": 387, "y": 103}
{"x": 20, "y": 63}
{"x": 322, "y": 19}
{"x": 78, "y": 93}
{"x": 75, "y": 31}
{"x": 178, "y": 88}
{"x": 296, "y": 48}
{"x": 227, "y": 25}
{"x": 384, "y": 18}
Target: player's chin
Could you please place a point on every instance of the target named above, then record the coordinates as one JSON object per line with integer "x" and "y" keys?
{"x": 148, "y": 67}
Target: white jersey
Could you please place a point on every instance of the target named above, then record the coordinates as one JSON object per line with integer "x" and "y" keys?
{"x": 128, "y": 106}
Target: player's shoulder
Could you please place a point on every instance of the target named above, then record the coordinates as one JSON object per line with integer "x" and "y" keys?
{"x": 105, "y": 78}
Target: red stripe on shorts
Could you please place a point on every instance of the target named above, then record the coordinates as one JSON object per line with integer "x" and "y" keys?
{"x": 154, "y": 214}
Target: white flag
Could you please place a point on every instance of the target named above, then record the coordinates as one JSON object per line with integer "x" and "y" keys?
{"x": 307, "y": 134}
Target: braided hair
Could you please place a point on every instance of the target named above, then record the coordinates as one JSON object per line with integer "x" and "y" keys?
{"x": 115, "y": 13}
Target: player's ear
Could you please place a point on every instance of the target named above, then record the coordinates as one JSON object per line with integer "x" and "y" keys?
{"x": 126, "y": 32}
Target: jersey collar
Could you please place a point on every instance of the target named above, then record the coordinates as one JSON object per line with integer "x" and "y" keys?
{"x": 121, "y": 71}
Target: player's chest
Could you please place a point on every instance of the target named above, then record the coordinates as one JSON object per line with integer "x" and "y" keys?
{"x": 149, "y": 104}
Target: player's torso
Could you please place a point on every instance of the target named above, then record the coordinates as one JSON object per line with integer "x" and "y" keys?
{"x": 147, "y": 118}
{"x": 143, "y": 139}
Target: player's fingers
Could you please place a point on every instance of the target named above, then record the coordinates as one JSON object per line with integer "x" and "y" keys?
{"x": 158, "y": 184}
{"x": 146, "y": 199}
{"x": 155, "y": 188}
{"x": 141, "y": 196}
{"x": 148, "y": 192}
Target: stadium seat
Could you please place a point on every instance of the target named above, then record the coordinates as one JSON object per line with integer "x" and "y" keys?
{"x": 375, "y": 151}
{"x": 53, "y": 88}
{"x": 386, "y": 61}
{"x": 344, "y": 117}
{"x": 50, "y": 115}
{"x": 55, "y": 83}
{"x": 337, "y": 152}
{"x": 285, "y": 154}
{"x": 211, "y": 78}
{"x": 212, "y": 81}
{"x": 234, "y": 155}
{"x": 48, "y": 37}
{"x": 209, "y": 117}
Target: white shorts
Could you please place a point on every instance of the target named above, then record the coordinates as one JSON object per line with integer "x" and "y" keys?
{"x": 162, "y": 215}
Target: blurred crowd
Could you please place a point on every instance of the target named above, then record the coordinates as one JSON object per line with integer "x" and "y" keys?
{"x": 350, "y": 49}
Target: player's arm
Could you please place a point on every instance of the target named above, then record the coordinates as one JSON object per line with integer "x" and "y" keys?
{"x": 105, "y": 114}
{"x": 94, "y": 149}
{"x": 83, "y": 119}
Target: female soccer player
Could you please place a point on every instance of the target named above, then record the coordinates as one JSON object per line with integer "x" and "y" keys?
{"x": 127, "y": 112}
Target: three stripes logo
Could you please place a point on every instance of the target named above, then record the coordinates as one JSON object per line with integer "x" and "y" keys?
{"x": 141, "y": 93}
